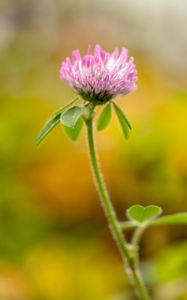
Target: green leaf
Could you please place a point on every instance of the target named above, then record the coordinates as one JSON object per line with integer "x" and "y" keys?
{"x": 124, "y": 122}
{"x": 70, "y": 117}
{"x": 104, "y": 117}
{"x": 176, "y": 219}
{"x": 52, "y": 122}
{"x": 49, "y": 125}
{"x": 74, "y": 132}
{"x": 65, "y": 107}
{"x": 142, "y": 214}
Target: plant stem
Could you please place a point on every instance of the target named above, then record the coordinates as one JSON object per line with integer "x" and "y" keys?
{"x": 138, "y": 234}
{"x": 114, "y": 225}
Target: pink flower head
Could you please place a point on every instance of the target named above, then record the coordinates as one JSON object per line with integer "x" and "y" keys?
{"x": 100, "y": 76}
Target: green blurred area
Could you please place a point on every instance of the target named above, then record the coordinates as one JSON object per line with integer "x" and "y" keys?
{"x": 54, "y": 240}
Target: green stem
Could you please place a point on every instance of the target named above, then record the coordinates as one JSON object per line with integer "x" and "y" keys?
{"x": 114, "y": 225}
{"x": 127, "y": 225}
{"x": 135, "y": 245}
{"x": 138, "y": 234}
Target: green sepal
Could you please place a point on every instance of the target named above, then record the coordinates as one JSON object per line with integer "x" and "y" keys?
{"x": 70, "y": 117}
{"x": 73, "y": 132}
{"x": 124, "y": 122}
{"x": 141, "y": 214}
{"x": 104, "y": 117}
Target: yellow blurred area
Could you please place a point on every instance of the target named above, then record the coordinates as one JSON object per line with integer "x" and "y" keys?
{"x": 54, "y": 239}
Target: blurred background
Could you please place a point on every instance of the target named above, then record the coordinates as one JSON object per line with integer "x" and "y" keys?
{"x": 54, "y": 240}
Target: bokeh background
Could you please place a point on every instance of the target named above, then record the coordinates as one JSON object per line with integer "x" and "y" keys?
{"x": 54, "y": 241}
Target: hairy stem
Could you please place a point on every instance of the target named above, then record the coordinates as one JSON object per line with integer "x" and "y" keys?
{"x": 138, "y": 234}
{"x": 128, "y": 258}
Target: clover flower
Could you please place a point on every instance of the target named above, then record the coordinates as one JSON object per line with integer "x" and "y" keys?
{"x": 97, "y": 78}
{"x": 100, "y": 76}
